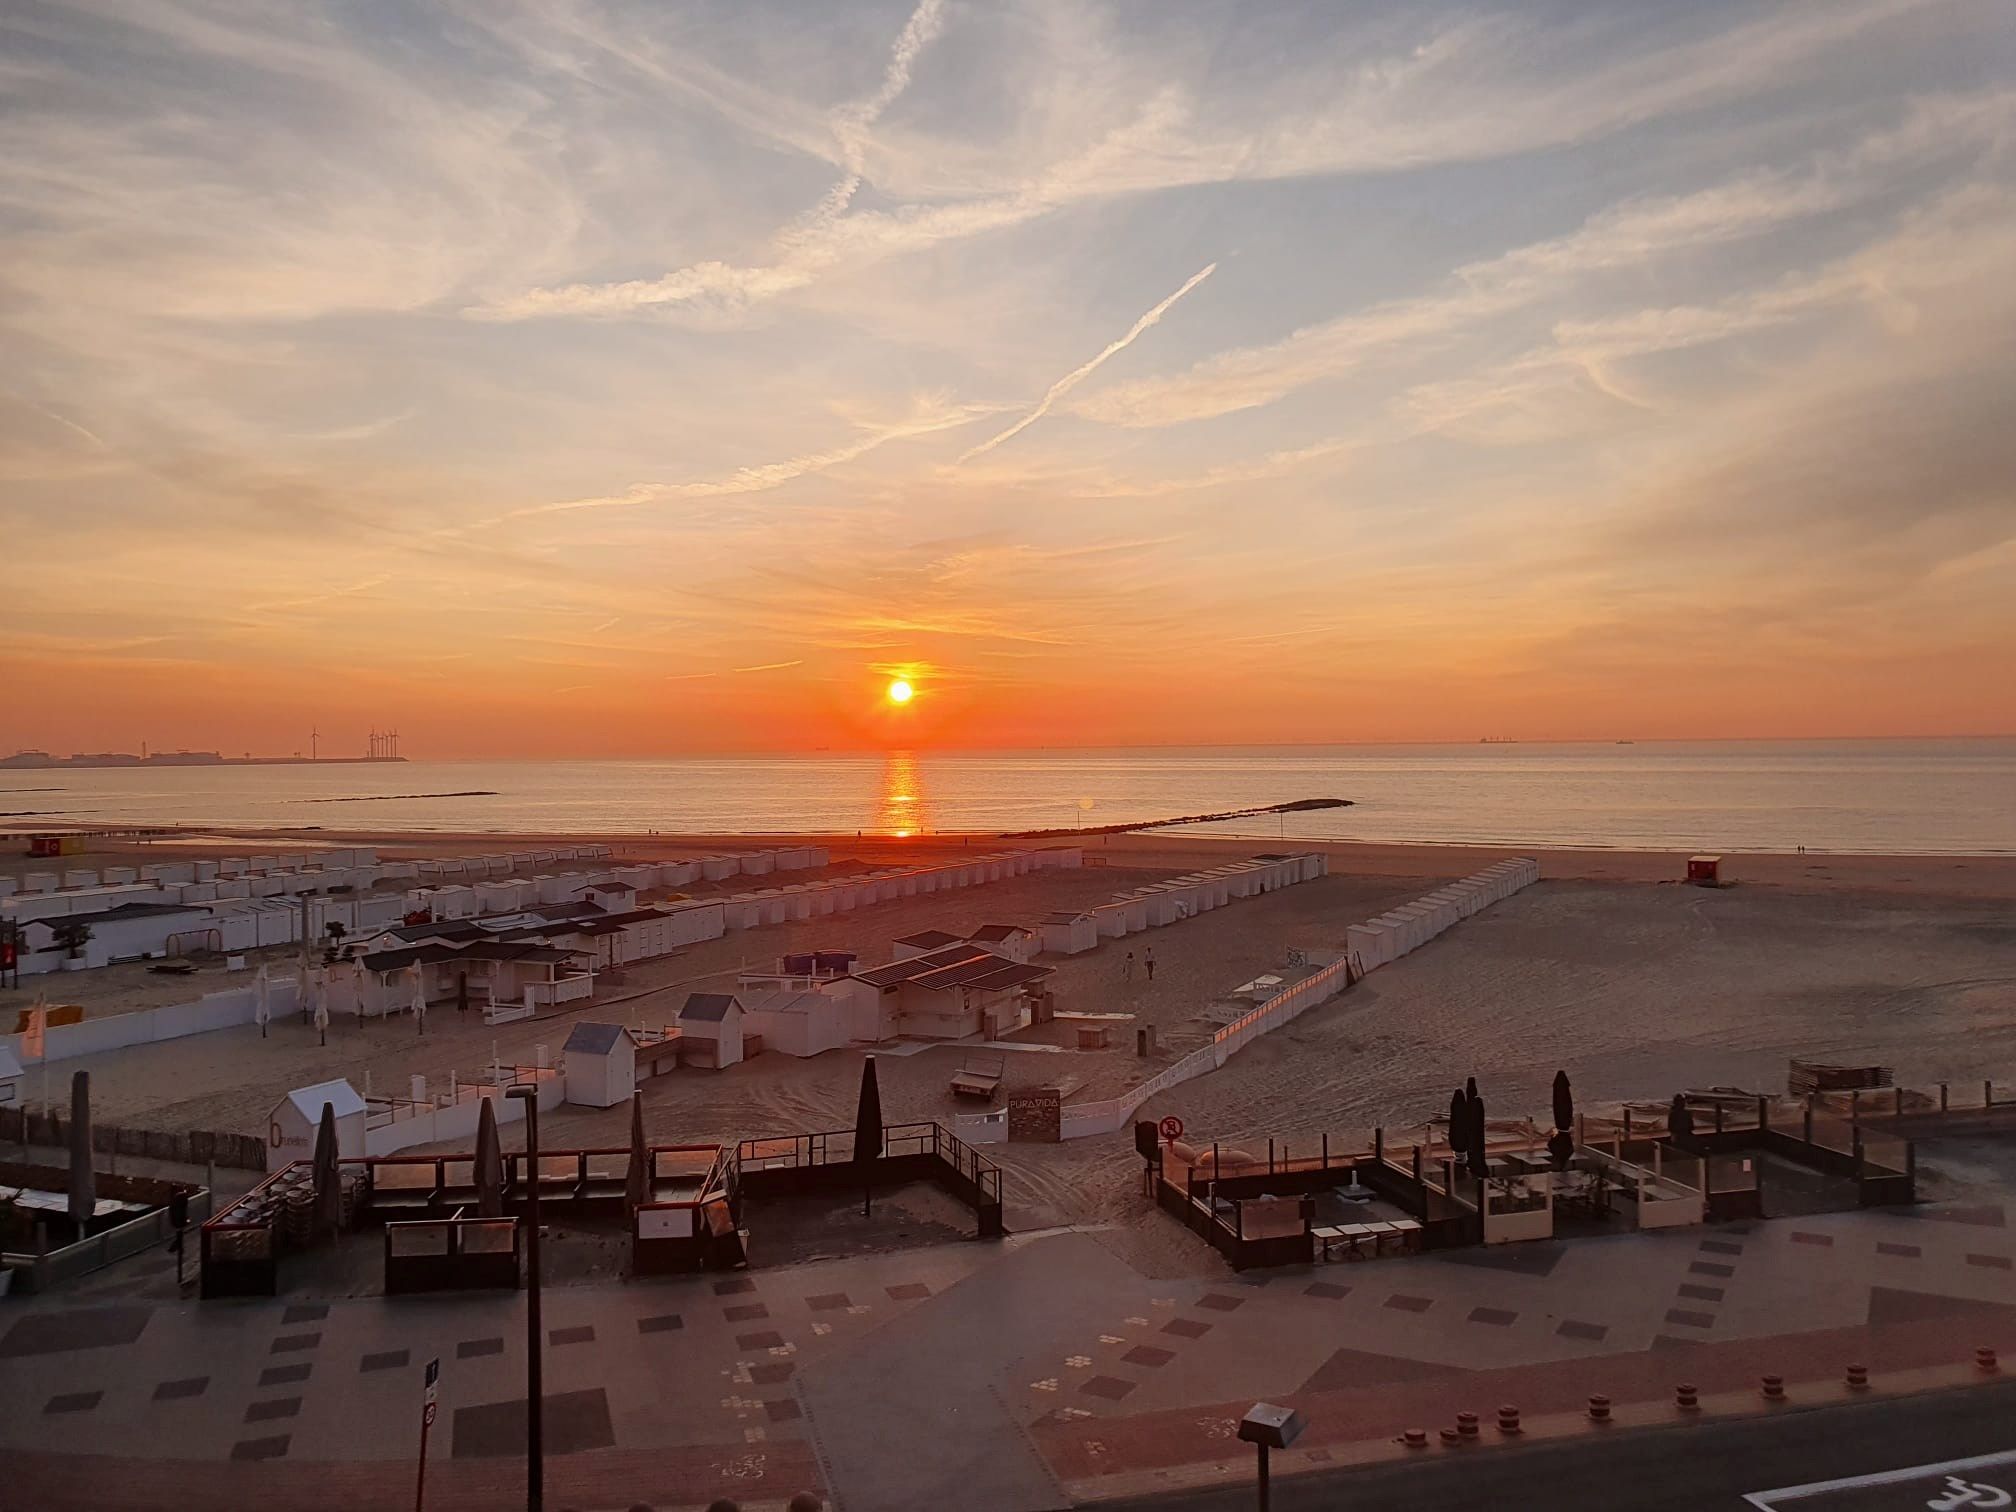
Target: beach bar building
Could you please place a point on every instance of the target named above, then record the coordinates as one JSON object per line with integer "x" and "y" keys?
{"x": 954, "y": 993}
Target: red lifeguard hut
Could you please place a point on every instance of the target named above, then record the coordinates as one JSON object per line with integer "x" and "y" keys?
{"x": 1704, "y": 871}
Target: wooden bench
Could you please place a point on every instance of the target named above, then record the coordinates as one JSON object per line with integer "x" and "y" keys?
{"x": 979, "y": 1076}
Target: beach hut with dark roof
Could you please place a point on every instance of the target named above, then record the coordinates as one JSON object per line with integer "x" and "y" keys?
{"x": 921, "y": 943}
{"x": 1015, "y": 941}
{"x": 710, "y": 1030}
{"x": 601, "y": 1065}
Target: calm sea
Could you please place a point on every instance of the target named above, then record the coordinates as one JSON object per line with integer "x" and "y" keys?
{"x": 1869, "y": 796}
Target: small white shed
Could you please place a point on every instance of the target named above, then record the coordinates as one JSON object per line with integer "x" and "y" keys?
{"x": 601, "y": 1065}
{"x": 1069, "y": 934}
{"x": 290, "y": 1132}
{"x": 710, "y": 1030}
{"x": 10, "y": 1078}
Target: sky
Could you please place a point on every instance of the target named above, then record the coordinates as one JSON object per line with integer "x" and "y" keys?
{"x": 568, "y": 378}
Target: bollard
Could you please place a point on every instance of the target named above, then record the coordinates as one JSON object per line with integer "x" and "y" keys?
{"x": 1686, "y": 1398}
{"x": 1415, "y": 1438}
{"x": 1985, "y": 1358}
{"x": 1466, "y": 1426}
{"x": 1858, "y": 1377}
{"x": 1774, "y": 1388}
{"x": 1599, "y": 1409}
{"x": 1449, "y": 1435}
{"x": 1508, "y": 1421}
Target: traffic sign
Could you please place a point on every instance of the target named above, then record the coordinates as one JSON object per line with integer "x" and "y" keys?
{"x": 427, "y": 1417}
{"x": 1171, "y": 1128}
{"x": 433, "y": 1385}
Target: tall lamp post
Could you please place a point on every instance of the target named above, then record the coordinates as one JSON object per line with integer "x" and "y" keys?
{"x": 1270, "y": 1427}
{"x": 535, "y": 1336}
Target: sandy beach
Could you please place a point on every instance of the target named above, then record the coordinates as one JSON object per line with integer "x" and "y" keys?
{"x": 1607, "y": 968}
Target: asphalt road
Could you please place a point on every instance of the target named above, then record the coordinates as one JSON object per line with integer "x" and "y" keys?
{"x": 1702, "y": 1467}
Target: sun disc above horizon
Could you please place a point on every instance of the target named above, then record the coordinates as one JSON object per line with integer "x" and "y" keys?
{"x": 900, "y": 692}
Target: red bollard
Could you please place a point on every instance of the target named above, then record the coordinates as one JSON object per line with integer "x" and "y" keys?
{"x": 1508, "y": 1421}
{"x": 1415, "y": 1438}
{"x": 1466, "y": 1426}
{"x": 1858, "y": 1377}
{"x": 1774, "y": 1388}
{"x": 1686, "y": 1398}
{"x": 1449, "y": 1435}
{"x": 1599, "y": 1409}
{"x": 1985, "y": 1358}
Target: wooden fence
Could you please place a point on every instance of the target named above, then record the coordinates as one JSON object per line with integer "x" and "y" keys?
{"x": 194, "y": 1147}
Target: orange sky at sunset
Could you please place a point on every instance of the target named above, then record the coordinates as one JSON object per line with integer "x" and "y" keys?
{"x": 630, "y": 380}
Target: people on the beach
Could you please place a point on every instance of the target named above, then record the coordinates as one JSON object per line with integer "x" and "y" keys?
{"x": 1148, "y": 962}
{"x": 1127, "y": 968}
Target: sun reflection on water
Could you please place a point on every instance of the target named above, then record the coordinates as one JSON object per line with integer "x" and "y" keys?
{"x": 904, "y": 810}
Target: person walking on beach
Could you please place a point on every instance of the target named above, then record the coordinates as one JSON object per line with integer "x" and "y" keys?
{"x": 1148, "y": 962}
{"x": 1127, "y": 968}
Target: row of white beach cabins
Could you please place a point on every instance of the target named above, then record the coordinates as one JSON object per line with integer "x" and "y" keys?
{"x": 1178, "y": 898}
{"x": 235, "y": 904}
{"x": 1394, "y": 934}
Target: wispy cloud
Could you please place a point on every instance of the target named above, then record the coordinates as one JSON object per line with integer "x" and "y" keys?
{"x": 1085, "y": 370}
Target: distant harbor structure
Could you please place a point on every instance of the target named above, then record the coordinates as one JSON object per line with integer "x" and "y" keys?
{"x": 380, "y": 746}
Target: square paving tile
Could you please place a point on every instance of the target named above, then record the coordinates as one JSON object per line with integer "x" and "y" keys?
{"x": 294, "y": 1343}
{"x": 1186, "y": 1328}
{"x": 783, "y": 1410}
{"x": 1497, "y": 1317}
{"x": 909, "y": 1291}
{"x": 1112, "y": 1388}
{"x": 1711, "y": 1268}
{"x": 1992, "y": 1262}
{"x": 769, "y": 1338}
{"x": 475, "y": 1349}
{"x": 1702, "y": 1293}
{"x": 1904, "y": 1251}
{"x": 74, "y": 1328}
{"x": 1721, "y": 1247}
{"x": 828, "y": 1302}
{"x": 390, "y": 1359}
{"x": 260, "y": 1448}
{"x": 1690, "y": 1319}
{"x": 583, "y": 1334}
{"x": 285, "y": 1375}
{"x": 1401, "y": 1303}
{"x": 749, "y": 1312}
{"x": 1149, "y": 1355}
{"x": 663, "y": 1323}
{"x": 278, "y": 1407}
{"x": 1329, "y": 1290}
{"x": 1595, "y": 1332}
{"x": 771, "y": 1374}
{"x": 1219, "y": 1302}
{"x": 734, "y": 1287}
{"x": 574, "y": 1421}
{"x": 74, "y": 1401}
{"x": 189, "y": 1386}
{"x": 1800, "y": 1236}
{"x": 305, "y": 1312}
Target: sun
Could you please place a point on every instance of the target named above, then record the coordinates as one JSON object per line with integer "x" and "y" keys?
{"x": 900, "y": 691}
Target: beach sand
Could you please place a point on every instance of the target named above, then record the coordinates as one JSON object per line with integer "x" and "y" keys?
{"x": 1608, "y": 968}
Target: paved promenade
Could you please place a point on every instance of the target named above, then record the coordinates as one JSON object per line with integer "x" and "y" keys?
{"x": 1020, "y": 1376}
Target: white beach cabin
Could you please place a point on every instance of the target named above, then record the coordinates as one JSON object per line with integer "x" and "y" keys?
{"x": 710, "y": 1030}
{"x": 10, "y": 1078}
{"x": 290, "y": 1132}
{"x": 601, "y": 1062}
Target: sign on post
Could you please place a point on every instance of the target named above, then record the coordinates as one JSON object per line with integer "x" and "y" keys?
{"x": 429, "y": 1406}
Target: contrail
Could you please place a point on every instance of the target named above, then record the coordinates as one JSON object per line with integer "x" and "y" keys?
{"x": 1078, "y": 375}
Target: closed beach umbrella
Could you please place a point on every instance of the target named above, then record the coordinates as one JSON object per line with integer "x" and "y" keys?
{"x": 1480, "y": 1164}
{"x": 419, "y": 998}
{"x": 319, "y": 988}
{"x": 637, "y": 1181}
{"x": 328, "y": 1189}
{"x": 868, "y": 1114}
{"x": 83, "y": 1184}
{"x": 489, "y": 1162}
{"x": 262, "y": 1001}
{"x": 1459, "y": 1113}
{"x": 1564, "y": 1102}
{"x": 1680, "y": 1120}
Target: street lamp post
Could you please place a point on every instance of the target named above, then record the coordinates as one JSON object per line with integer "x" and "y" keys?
{"x": 535, "y": 1336}
{"x": 1269, "y": 1427}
